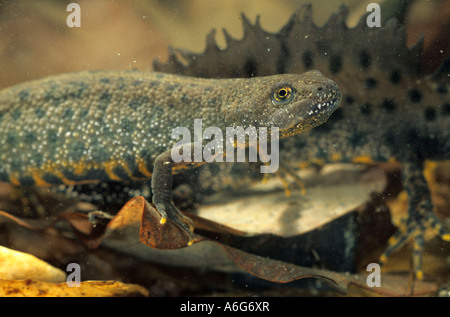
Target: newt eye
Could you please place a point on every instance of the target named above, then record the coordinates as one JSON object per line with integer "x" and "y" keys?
{"x": 282, "y": 94}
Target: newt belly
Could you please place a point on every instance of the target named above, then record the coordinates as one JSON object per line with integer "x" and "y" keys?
{"x": 117, "y": 125}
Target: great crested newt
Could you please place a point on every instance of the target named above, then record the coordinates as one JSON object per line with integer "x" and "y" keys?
{"x": 101, "y": 126}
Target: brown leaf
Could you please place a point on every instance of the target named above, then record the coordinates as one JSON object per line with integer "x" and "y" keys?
{"x": 282, "y": 272}
{"x": 138, "y": 211}
{"x": 215, "y": 255}
{"x": 32, "y": 224}
{"x": 156, "y": 235}
{"x": 86, "y": 230}
{"x": 79, "y": 222}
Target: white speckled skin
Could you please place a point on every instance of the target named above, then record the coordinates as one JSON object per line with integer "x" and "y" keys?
{"x": 110, "y": 125}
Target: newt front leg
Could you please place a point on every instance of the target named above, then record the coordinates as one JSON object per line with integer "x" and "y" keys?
{"x": 162, "y": 195}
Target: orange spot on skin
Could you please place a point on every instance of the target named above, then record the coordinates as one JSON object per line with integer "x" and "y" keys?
{"x": 303, "y": 165}
{"x": 336, "y": 157}
{"x": 392, "y": 160}
{"x": 36, "y": 175}
{"x": 429, "y": 171}
{"x": 183, "y": 166}
{"x": 130, "y": 174}
{"x": 363, "y": 159}
{"x": 143, "y": 169}
{"x": 14, "y": 179}
{"x": 79, "y": 168}
{"x": 109, "y": 166}
{"x": 318, "y": 161}
{"x": 66, "y": 181}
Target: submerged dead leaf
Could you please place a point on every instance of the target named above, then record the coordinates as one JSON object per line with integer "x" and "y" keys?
{"x": 282, "y": 272}
{"x": 32, "y": 224}
{"x": 216, "y": 255}
{"x": 32, "y": 288}
{"x": 15, "y": 265}
{"x": 139, "y": 213}
{"x": 155, "y": 235}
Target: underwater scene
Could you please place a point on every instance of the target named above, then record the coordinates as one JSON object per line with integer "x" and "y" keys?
{"x": 207, "y": 148}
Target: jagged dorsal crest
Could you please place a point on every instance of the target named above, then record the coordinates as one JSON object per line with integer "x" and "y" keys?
{"x": 443, "y": 72}
{"x": 253, "y": 55}
{"x": 337, "y": 45}
{"x": 299, "y": 46}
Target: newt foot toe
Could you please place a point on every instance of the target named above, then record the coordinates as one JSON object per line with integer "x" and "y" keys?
{"x": 169, "y": 211}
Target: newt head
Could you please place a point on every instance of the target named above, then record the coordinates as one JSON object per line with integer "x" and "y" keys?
{"x": 292, "y": 102}
{"x": 303, "y": 102}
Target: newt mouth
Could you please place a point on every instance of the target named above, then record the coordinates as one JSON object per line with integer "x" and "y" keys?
{"x": 314, "y": 116}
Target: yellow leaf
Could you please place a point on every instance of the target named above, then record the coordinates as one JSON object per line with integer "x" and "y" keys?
{"x": 31, "y": 288}
{"x": 15, "y": 265}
